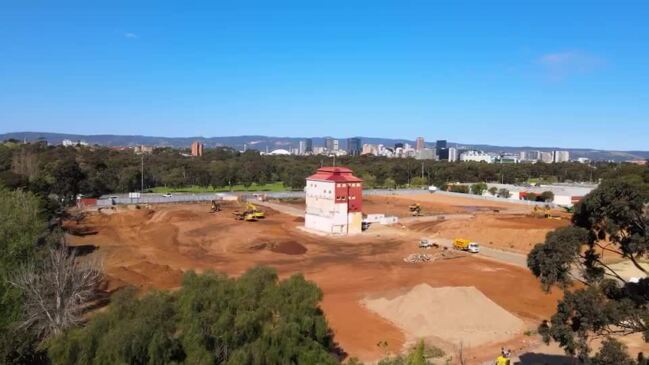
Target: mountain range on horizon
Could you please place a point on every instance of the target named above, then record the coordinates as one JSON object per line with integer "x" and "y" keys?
{"x": 263, "y": 143}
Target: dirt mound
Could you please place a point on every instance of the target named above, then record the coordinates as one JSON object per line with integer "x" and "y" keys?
{"x": 289, "y": 248}
{"x": 453, "y": 314}
{"x": 285, "y": 247}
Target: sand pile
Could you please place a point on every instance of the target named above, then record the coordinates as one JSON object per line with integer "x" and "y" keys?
{"x": 452, "y": 314}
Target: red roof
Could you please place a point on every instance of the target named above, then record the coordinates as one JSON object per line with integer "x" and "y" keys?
{"x": 335, "y": 174}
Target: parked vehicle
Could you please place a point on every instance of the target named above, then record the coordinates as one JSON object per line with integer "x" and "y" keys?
{"x": 466, "y": 245}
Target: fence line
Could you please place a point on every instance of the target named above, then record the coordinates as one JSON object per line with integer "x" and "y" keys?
{"x": 206, "y": 197}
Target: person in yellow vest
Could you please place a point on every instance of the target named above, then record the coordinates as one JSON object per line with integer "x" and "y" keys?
{"x": 504, "y": 358}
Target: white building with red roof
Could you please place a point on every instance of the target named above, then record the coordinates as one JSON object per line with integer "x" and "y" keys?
{"x": 334, "y": 201}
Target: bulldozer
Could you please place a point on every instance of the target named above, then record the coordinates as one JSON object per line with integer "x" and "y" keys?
{"x": 216, "y": 207}
{"x": 415, "y": 210}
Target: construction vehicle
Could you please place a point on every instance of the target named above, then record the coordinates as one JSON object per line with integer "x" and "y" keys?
{"x": 216, "y": 207}
{"x": 251, "y": 214}
{"x": 466, "y": 245}
{"x": 244, "y": 216}
{"x": 415, "y": 210}
{"x": 541, "y": 212}
{"x": 252, "y": 209}
{"x": 424, "y": 243}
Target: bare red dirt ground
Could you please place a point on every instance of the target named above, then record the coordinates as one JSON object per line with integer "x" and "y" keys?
{"x": 151, "y": 248}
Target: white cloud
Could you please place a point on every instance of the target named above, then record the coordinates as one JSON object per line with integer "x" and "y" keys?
{"x": 130, "y": 35}
{"x": 560, "y": 65}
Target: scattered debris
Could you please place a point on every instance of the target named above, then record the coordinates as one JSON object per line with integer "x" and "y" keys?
{"x": 415, "y": 258}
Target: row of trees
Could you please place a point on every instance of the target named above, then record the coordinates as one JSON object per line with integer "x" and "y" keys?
{"x": 95, "y": 171}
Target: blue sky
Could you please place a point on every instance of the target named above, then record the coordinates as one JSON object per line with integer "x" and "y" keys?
{"x": 543, "y": 73}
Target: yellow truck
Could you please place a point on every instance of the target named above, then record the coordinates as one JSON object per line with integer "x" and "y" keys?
{"x": 466, "y": 245}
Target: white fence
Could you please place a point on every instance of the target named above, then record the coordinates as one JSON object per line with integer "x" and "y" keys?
{"x": 206, "y": 197}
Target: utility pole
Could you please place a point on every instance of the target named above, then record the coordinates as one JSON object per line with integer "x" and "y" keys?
{"x": 422, "y": 169}
{"x": 142, "y": 174}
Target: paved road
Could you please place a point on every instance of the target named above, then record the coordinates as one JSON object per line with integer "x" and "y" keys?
{"x": 282, "y": 208}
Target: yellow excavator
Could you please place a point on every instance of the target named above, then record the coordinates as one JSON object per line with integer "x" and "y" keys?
{"x": 251, "y": 214}
{"x": 541, "y": 212}
{"x": 252, "y": 209}
{"x": 415, "y": 209}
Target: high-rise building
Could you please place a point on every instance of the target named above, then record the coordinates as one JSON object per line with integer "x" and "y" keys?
{"x": 420, "y": 145}
{"x": 442, "y": 154}
{"x": 441, "y": 150}
{"x": 452, "y": 154}
{"x": 560, "y": 156}
{"x": 197, "y": 149}
{"x": 302, "y": 148}
{"x": 331, "y": 144}
{"x": 354, "y": 146}
{"x": 547, "y": 157}
{"x": 309, "y": 145}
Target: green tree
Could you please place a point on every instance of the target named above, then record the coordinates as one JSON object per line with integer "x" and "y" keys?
{"x": 369, "y": 180}
{"x": 418, "y": 181}
{"x": 389, "y": 183}
{"x": 21, "y": 227}
{"x": 547, "y": 196}
{"x": 493, "y": 190}
{"x": 504, "y": 193}
{"x": 612, "y": 219}
{"x": 478, "y": 188}
{"x": 212, "y": 319}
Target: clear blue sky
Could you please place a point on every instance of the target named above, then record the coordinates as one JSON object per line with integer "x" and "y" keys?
{"x": 562, "y": 73}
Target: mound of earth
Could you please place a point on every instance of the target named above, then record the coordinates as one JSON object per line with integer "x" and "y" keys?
{"x": 453, "y": 314}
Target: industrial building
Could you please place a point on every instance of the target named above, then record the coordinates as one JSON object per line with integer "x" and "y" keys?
{"x": 334, "y": 200}
{"x": 565, "y": 195}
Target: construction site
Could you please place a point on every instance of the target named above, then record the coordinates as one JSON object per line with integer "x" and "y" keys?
{"x": 384, "y": 289}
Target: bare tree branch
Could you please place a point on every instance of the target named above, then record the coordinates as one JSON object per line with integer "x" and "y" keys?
{"x": 58, "y": 291}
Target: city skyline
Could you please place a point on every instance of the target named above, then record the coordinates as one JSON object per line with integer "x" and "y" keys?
{"x": 551, "y": 73}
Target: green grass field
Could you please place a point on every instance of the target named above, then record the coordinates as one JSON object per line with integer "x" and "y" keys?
{"x": 277, "y": 186}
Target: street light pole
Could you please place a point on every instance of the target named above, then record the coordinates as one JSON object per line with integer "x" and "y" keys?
{"x": 142, "y": 174}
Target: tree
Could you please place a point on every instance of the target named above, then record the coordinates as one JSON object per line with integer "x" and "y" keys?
{"x": 21, "y": 227}
{"x": 369, "y": 180}
{"x": 56, "y": 291}
{"x": 493, "y": 190}
{"x": 212, "y": 319}
{"x": 66, "y": 179}
{"x": 613, "y": 353}
{"x": 547, "y": 196}
{"x": 504, "y": 193}
{"x": 418, "y": 181}
{"x": 389, "y": 183}
{"x": 611, "y": 220}
{"x": 478, "y": 188}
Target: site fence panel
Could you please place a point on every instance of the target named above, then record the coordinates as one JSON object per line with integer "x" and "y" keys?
{"x": 206, "y": 197}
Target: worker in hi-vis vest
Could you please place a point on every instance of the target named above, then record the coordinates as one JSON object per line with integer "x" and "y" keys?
{"x": 502, "y": 360}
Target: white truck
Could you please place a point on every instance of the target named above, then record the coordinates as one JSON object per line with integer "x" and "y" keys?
{"x": 424, "y": 243}
{"x": 432, "y": 189}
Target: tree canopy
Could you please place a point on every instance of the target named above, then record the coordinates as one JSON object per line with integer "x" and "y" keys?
{"x": 611, "y": 221}
{"x": 212, "y": 319}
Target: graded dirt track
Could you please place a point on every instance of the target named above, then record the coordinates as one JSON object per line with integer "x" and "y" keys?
{"x": 151, "y": 248}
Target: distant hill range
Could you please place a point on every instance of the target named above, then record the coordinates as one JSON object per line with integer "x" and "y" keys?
{"x": 263, "y": 143}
